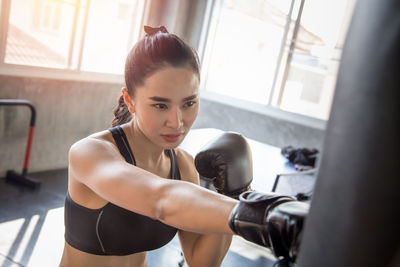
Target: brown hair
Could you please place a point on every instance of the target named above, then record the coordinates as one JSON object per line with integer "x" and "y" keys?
{"x": 155, "y": 51}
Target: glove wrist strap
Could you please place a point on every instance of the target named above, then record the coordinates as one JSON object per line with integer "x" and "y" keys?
{"x": 235, "y": 194}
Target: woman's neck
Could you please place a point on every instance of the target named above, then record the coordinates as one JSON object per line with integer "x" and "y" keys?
{"x": 144, "y": 150}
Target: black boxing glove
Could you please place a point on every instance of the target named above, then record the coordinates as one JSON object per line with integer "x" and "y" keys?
{"x": 227, "y": 162}
{"x": 270, "y": 220}
{"x": 285, "y": 223}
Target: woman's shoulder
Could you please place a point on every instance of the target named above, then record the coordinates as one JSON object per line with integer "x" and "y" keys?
{"x": 104, "y": 135}
{"x": 183, "y": 154}
{"x": 91, "y": 153}
{"x": 186, "y": 166}
{"x": 184, "y": 158}
{"x": 97, "y": 141}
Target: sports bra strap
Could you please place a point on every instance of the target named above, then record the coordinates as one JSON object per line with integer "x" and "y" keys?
{"x": 175, "y": 173}
{"x": 122, "y": 144}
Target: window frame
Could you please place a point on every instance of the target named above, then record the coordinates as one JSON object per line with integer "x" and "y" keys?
{"x": 66, "y": 73}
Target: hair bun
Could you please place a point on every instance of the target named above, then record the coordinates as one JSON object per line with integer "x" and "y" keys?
{"x": 151, "y": 31}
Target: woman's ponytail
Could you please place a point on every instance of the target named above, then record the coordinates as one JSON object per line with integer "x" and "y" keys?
{"x": 121, "y": 113}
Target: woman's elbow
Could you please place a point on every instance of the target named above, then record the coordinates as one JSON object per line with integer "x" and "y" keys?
{"x": 172, "y": 201}
{"x": 162, "y": 203}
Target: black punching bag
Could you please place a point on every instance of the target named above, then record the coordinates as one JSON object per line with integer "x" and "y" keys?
{"x": 354, "y": 218}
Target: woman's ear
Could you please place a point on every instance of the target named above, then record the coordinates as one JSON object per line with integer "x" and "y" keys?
{"x": 128, "y": 100}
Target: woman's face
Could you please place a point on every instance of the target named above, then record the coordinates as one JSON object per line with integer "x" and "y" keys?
{"x": 166, "y": 106}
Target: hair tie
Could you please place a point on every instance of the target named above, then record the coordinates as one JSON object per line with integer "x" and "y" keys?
{"x": 151, "y": 31}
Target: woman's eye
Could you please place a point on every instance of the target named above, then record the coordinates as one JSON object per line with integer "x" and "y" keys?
{"x": 160, "y": 106}
{"x": 189, "y": 103}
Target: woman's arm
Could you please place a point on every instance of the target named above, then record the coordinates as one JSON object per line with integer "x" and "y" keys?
{"x": 200, "y": 249}
{"x": 98, "y": 164}
{"x": 206, "y": 250}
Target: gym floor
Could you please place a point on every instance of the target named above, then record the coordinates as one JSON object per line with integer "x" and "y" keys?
{"x": 32, "y": 229}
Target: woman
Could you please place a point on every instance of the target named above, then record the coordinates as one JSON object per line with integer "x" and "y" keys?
{"x": 124, "y": 194}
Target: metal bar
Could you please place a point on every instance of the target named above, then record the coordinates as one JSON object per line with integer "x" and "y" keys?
{"x": 206, "y": 28}
{"x": 85, "y": 22}
{"x": 310, "y": 171}
{"x": 204, "y": 45}
{"x": 282, "y": 49}
{"x": 73, "y": 34}
{"x": 289, "y": 58}
{"x": 28, "y": 150}
{"x": 20, "y": 102}
{"x": 276, "y": 182}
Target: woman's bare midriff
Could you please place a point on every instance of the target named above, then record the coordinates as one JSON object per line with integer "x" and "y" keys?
{"x": 75, "y": 258}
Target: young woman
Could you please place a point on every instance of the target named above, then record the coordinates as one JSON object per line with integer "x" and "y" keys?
{"x": 130, "y": 188}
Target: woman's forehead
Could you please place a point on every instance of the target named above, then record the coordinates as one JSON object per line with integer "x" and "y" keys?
{"x": 170, "y": 73}
{"x": 171, "y": 80}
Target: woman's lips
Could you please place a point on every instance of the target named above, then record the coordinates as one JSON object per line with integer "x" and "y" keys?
{"x": 171, "y": 137}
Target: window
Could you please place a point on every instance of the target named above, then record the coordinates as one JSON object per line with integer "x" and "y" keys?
{"x": 283, "y": 54}
{"x": 77, "y": 35}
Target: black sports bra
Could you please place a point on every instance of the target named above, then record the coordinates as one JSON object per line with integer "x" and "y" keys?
{"x": 112, "y": 230}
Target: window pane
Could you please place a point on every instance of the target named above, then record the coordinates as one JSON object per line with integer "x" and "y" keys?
{"x": 109, "y": 29}
{"x": 243, "y": 47}
{"x": 311, "y": 78}
{"x": 39, "y": 32}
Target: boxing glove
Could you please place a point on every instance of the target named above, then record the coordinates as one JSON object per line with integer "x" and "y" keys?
{"x": 270, "y": 220}
{"x": 285, "y": 223}
{"x": 227, "y": 162}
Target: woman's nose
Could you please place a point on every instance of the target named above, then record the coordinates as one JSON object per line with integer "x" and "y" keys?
{"x": 174, "y": 119}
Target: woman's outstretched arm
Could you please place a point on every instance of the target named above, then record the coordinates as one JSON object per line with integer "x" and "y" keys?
{"x": 98, "y": 164}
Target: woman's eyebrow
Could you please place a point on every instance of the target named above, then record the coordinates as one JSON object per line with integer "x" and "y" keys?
{"x": 159, "y": 99}
{"x": 190, "y": 98}
{"x": 167, "y": 100}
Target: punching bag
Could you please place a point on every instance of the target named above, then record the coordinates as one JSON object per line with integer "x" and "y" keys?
{"x": 354, "y": 217}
